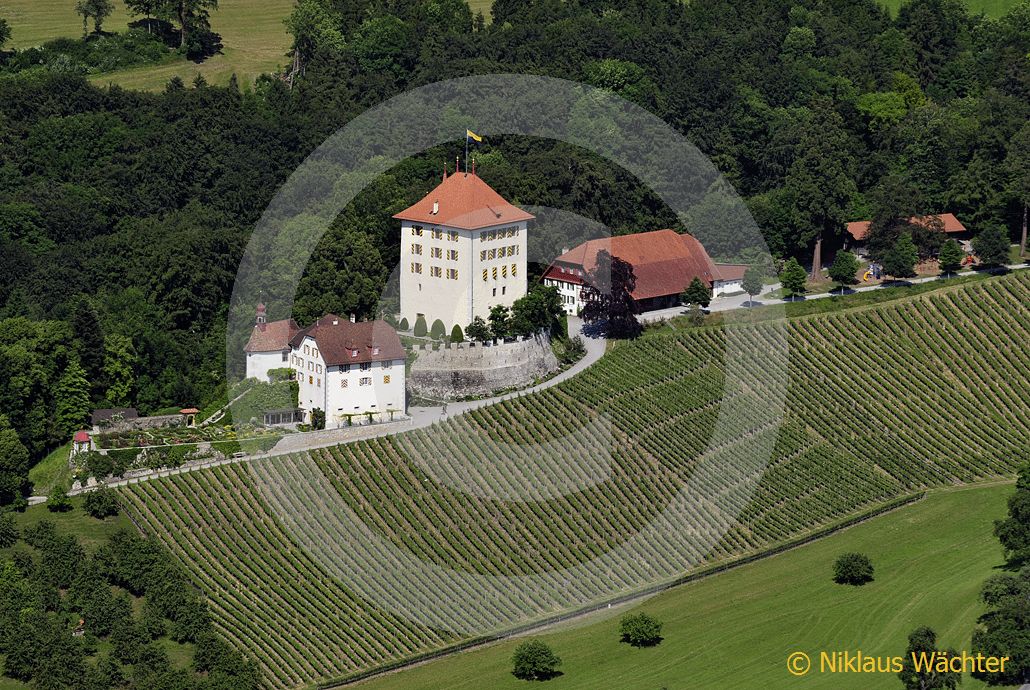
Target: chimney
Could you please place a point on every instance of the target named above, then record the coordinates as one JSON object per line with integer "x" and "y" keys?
{"x": 336, "y": 322}
{"x": 353, "y": 318}
{"x": 436, "y": 207}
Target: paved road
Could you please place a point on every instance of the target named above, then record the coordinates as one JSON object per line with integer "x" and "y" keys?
{"x": 741, "y": 301}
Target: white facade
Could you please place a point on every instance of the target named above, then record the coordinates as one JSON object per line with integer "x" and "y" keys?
{"x": 348, "y": 393}
{"x": 722, "y": 287}
{"x": 454, "y": 274}
{"x": 260, "y": 363}
{"x": 570, "y": 294}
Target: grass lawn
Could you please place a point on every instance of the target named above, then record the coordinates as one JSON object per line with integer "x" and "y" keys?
{"x": 51, "y": 471}
{"x": 992, "y": 8}
{"x": 736, "y": 629}
{"x": 254, "y": 39}
{"x": 90, "y": 532}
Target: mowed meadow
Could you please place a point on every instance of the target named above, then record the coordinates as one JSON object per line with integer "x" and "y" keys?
{"x": 254, "y": 39}
{"x": 926, "y": 391}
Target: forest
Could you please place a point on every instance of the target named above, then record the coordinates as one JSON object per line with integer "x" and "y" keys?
{"x": 123, "y": 215}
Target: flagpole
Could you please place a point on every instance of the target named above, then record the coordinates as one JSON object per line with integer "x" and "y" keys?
{"x": 466, "y": 152}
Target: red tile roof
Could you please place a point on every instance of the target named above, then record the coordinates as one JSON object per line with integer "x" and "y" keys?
{"x": 664, "y": 262}
{"x": 81, "y": 437}
{"x": 338, "y": 339}
{"x": 730, "y": 271}
{"x": 272, "y": 337}
{"x": 859, "y": 229}
{"x": 463, "y": 200}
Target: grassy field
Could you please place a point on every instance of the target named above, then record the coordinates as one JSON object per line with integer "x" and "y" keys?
{"x": 884, "y": 399}
{"x": 735, "y": 629}
{"x": 253, "y": 35}
{"x": 992, "y": 8}
{"x": 51, "y": 471}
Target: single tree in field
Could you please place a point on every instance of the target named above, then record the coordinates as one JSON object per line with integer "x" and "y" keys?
{"x": 500, "y": 321}
{"x": 843, "y": 270}
{"x": 697, "y": 293}
{"x": 5, "y": 32}
{"x": 900, "y": 261}
{"x": 852, "y": 569}
{"x": 992, "y": 246}
{"x": 793, "y": 277}
{"x": 534, "y": 660}
{"x": 1014, "y": 531}
{"x": 951, "y": 257}
{"x": 1017, "y": 164}
{"x": 478, "y": 330}
{"x": 640, "y": 630}
{"x": 609, "y": 297}
{"x": 821, "y": 182}
{"x": 752, "y": 283}
{"x": 922, "y": 648}
{"x": 145, "y": 8}
{"x": 98, "y": 10}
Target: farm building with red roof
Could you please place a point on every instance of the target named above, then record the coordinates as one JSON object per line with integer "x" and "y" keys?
{"x": 858, "y": 231}
{"x": 664, "y": 263}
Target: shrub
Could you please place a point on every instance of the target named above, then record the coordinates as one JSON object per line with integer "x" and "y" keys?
{"x": 852, "y": 569}
{"x": 58, "y": 501}
{"x": 640, "y": 630}
{"x": 8, "y": 530}
{"x": 403, "y": 325}
{"x": 534, "y": 660}
{"x": 420, "y": 327}
{"x": 438, "y": 330}
{"x": 100, "y": 503}
{"x": 456, "y": 335}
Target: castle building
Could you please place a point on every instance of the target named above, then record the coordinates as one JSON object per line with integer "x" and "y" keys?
{"x": 353, "y": 371}
{"x": 463, "y": 251}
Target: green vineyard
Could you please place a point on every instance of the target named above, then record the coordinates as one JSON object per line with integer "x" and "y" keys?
{"x": 303, "y": 556}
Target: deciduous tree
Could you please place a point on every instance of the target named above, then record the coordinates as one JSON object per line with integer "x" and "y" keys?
{"x": 793, "y": 277}
{"x": 754, "y": 278}
{"x": 843, "y": 270}
{"x": 951, "y": 257}
{"x": 640, "y": 630}
{"x": 922, "y": 646}
{"x": 1014, "y": 531}
{"x": 71, "y": 396}
{"x": 992, "y": 245}
{"x": 609, "y": 297}
{"x": 534, "y": 660}
{"x": 900, "y": 261}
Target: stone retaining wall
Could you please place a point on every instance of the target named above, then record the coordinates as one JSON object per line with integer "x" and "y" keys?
{"x": 463, "y": 370}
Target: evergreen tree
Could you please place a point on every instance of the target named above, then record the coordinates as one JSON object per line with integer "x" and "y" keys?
{"x": 420, "y": 327}
{"x": 72, "y": 406}
{"x": 793, "y": 278}
{"x": 951, "y": 257}
{"x": 843, "y": 270}
{"x": 1017, "y": 165}
{"x": 697, "y": 293}
{"x": 456, "y": 335}
{"x": 438, "y": 330}
{"x": 89, "y": 341}
{"x": 14, "y": 464}
{"x": 5, "y": 32}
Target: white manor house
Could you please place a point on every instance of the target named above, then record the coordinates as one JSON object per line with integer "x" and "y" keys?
{"x": 352, "y": 370}
{"x": 463, "y": 251}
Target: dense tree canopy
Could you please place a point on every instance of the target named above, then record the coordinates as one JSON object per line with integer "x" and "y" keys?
{"x": 815, "y": 112}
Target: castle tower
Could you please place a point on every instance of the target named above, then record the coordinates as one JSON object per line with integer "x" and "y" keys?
{"x": 463, "y": 250}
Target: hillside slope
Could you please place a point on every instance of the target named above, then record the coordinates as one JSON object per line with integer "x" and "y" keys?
{"x": 921, "y": 392}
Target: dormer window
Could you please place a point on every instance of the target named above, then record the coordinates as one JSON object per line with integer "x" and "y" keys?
{"x": 353, "y": 353}
{"x": 375, "y": 350}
